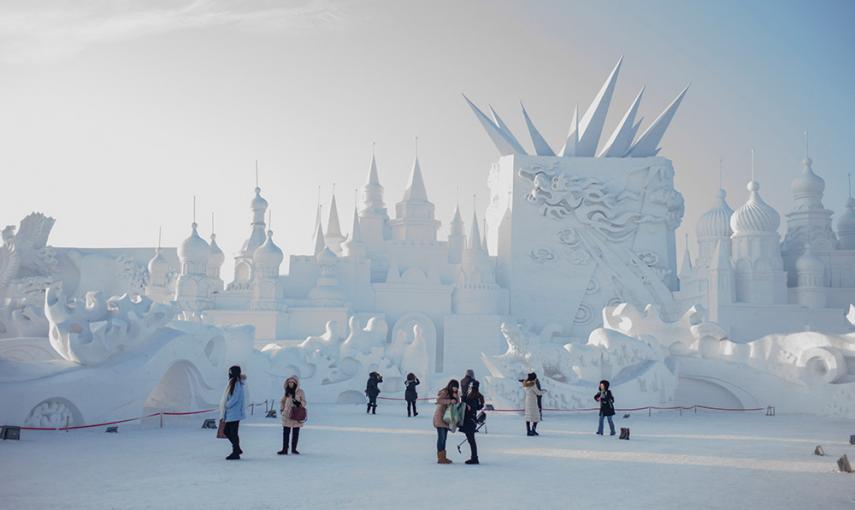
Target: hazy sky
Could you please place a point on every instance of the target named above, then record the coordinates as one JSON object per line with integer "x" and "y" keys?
{"x": 114, "y": 114}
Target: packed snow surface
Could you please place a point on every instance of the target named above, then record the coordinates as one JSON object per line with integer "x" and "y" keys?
{"x": 353, "y": 460}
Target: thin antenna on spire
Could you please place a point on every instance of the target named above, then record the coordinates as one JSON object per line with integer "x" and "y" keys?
{"x": 194, "y": 210}
{"x": 849, "y": 177}
{"x": 333, "y": 188}
{"x": 372, "y": 148}
{"x": 417, "y": 146}
{"x": 752, "y": 163}
{"x": 159, "y": 233}
{"x": 256, "y": 173}
{"x": 807, "y": 151}
{"x": 720, "y": 173}
{"x": 212, "y": 222}
{"x": 474, "y": 200}
{"x": 270, "y": 218}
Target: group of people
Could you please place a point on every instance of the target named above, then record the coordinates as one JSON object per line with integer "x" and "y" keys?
{"x": 458, "y": 405}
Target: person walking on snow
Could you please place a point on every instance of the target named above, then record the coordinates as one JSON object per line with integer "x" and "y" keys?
{"x": 294, "y": 397}
{"x": 446, "y": 397}
{"x": 532, "y": 413}
{"x": 372, "y": 390}
{"x": 607, "y": 406}
{"x": 474, "y": 401}
{"x": 232, "y": 409}
{"x": 410, "y": 395}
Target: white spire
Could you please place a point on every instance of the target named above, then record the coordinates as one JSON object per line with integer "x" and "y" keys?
{"x": 518, "y": 148}
{"x": 621, "y": 140}
{"x": 686, "y": 268}
{"x": 591, "y": 125}
{"x": 416, "y": 188}
{"x": 333, "y": 224}
{"x": 572, "y": 141}
{"x": 541, "y": 147}
{"x": 648, "y": 142}
{"x": 320, "y": 243}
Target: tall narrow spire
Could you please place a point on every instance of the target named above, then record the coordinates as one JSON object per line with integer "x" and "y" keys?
{"x": 333, "y": 224}
{"x": 416, "y": 186}
{"x": 541, "y": 147}
{"x": 591, "y": 125}
{"x": 621, "y": 140}
{"x": 686, "y": 267}
{"x": 648, "y": 143}
{"x": 572, "y": 141}
{"x": 320, "y": 243}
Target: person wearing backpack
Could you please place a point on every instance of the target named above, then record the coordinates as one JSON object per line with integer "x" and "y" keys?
{"x": 607, "y": 406}
{"x": 446, "y": 397}
{"x": 474, "y": 401}
{"x": 292, "y": 410}
{"x": 372, "y": 391}
{"x": 232, "y": 409}
{"x": 410, "y": 395}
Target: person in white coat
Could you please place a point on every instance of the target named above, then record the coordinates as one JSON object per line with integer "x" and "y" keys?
{"x": 294, "y": 397}
{"x": 532, "y": 412}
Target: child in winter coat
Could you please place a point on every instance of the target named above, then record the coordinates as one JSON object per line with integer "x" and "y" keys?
{"x": 607, "y": 406}
{"x": 532, "y": 413}
{"x": 372, "y": 390}
{"x": 232, "y": 409}
{"x": 410, "y": 395}
{"x": 293, "y": 397}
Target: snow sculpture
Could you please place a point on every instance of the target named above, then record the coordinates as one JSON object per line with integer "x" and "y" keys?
{"x": 92, "y": 331}
{"x": 569, "y": 373}
{"x": 364, "y": 340}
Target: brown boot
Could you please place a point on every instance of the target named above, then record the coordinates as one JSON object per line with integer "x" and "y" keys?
{"x": 441, "y": 458}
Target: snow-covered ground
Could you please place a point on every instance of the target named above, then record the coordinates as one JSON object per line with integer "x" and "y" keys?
{"x": 351, "y": 460}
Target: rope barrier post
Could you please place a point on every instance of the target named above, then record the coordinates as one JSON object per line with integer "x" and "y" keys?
{"x": 161, "y": 418}
{"x": 252, "y": 409}
{"x": 67, "y": 423}
{"x": 649, "y": 411}
{"x": 695, "y": 407}
{"x": 681, "y": 411}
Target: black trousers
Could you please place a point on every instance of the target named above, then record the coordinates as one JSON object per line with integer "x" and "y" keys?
{"x": 372, "y": 403}
{"x": 295, "y": 436}
{"x": 231, "y": 431}
{"x": 411, "y": 404}
{"x": 473, "y": 448}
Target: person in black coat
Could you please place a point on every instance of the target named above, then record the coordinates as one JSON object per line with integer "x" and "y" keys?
{"x": 474, "y": 401}
{"x": 372, "y": 390}
{"x": 410, "y": 395}
{"x": 607, "y": 406}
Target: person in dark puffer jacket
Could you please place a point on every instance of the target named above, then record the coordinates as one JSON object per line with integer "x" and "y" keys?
{"x": 474, "y": 401}
{"x": 607, "y": 406}
{"x": 372, "y": 390}
{"x": 410, "y": 395}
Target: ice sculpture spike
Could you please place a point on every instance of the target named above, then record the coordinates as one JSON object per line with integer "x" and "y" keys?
{"x": 648, "y": 143}
{"x": 572, "y": 141}
{"x": 591, "y": 124}
{"x": 541, "y": 147}
{"x": 518, "y": 148}
{"x": 621, "y": 140}
{"x": 496, "y": 134}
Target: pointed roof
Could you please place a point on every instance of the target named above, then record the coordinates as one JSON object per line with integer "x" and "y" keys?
{"x": 591, "y": 125}
{"x": 373, "y": 178}
{"x": 686, "y": 268}
{"x": 456, "y": 219}
{"x": 333, "y": 225}
{"x": 541, "y": 147}
{"x": 355, "y": 230}
{"x": 320, "y": 242}
{"x": 474, "y": 240}
{"x": 621, "y": 140}
{"x": 648, "y": 142}
{"x": 416, "y": 188}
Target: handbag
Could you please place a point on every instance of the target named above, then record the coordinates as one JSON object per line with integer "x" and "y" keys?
{"x": 221, "y": 430}
{"x": 297, "y": 413}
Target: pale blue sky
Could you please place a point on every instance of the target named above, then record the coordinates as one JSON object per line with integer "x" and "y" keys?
{"x": 116, "y": 113}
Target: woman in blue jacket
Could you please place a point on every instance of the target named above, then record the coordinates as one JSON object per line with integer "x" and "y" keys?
{"x": 232, "y": 409}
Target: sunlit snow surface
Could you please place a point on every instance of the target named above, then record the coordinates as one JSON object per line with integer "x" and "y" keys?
{"x": 353, "y": 460}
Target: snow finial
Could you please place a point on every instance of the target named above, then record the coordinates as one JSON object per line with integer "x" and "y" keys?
{"x": 416, "y": 187}
{"x": 269, "y": 219}
{"x": 194, "y": 211}
{"x": 159, "y": 233}
{"x": 256, "y": 174}
{"x": 807, "y": 146}
{"x": 720, "y": 173}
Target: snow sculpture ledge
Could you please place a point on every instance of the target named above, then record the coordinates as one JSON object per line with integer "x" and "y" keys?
{"x": 92, "y": 331}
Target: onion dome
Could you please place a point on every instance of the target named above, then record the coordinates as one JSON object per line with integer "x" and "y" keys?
{"x": 809, "y": 263}
{"x": 258, "y": 203}
{"x": 755, "y": 216}
{"x": 194, "y": 252}
{"x": 807, "y": 188}
{"x": 268, "y": 255}
{"x": 716, "y": 221}
{"x": 846, "y": 226}
{"x": 158, "y": 264}
{"x": 216, "y": 257}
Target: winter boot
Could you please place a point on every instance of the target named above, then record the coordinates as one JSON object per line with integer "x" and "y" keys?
{"x": 473, "y": 460}
{"x": 284, "y": 450}
{"x": 534, "y": 429}
{"x": 368, "y": 409}
{"x": 374, "y": 409}
{"x": 233, "y": 456}
{"x": 441, "y": 458}
{"x": 295, "y": 436}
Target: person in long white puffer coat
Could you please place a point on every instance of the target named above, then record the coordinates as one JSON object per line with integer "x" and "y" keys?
{"x": 532, "y": 412}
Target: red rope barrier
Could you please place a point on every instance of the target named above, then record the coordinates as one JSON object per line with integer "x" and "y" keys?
{"x": 117, "y": 422}
{"x": 626, "y": 409}
{"x": 402, "y": 399}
